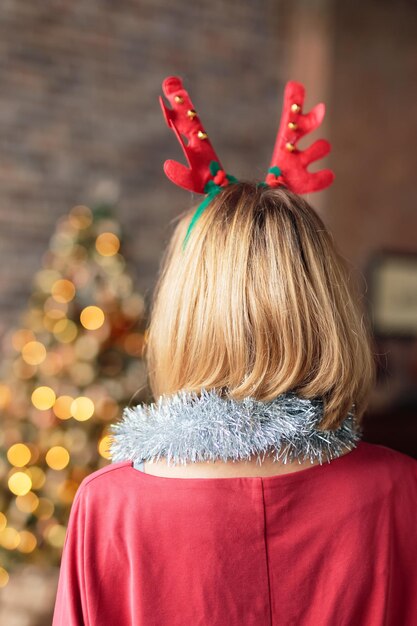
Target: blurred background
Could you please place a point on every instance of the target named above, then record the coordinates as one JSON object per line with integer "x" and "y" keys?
{"x": 86, "y": 211}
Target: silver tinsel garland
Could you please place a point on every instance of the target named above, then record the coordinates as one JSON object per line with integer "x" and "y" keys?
{"x": 190, "y": 427}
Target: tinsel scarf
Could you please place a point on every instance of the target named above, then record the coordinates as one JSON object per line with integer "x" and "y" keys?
{"x": 190, "y": 427}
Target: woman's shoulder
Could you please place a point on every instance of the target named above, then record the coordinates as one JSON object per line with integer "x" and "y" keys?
{"x": 113, "y": 475}
{"x": 377, "y": 452}
{"x": 382, "y": 463}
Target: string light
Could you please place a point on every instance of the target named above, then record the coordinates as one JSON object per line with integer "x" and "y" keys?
{"x": 20, "y": 483}
{"x": 107, "y": 244}
{"x": 63, "y": 290}
{"x": 34, "y": 352}
{"x": 62, "y": 407}
{"x": 9, "y": 538}
{"x": 103, "y": 446}
{"x": 57, "y": 457}
{"x": 19, "y": 455}
{"x": 27, "y": 542}
{"x": 92, "y": 317}
{"x": 43, "y": 398}
{"x": 55, "y": 535}
{"x": 27, "y": 503}
{"x": 82, "y": 408}
{"x": 65, "y": 330}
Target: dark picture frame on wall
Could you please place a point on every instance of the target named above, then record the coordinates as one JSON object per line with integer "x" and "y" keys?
{"x": 392, "y": 281}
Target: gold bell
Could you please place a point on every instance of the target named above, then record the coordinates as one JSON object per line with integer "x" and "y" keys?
{"x": 191, "y": 113}
{"x": 202, "y": 135}
{"x": 178, "y": 99}
{"x": 295, "y": 108}
{"x": 290, "y": 146}
{"x": 292, "y": 126}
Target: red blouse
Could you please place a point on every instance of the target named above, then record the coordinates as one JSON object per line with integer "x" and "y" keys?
{"x": 331, "y": 545}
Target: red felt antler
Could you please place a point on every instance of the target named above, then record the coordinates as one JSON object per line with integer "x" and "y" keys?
{"x": 289, "y": 165}
{"x": 184, "y": 121}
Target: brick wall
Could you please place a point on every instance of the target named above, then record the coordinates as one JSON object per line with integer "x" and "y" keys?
{"x": 78, "y": 105}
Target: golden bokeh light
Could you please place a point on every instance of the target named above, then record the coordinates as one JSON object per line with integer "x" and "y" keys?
{"x": 27, "y": 503}
{"x": 57, "y": 457}
{"x": 103, "y": 446}
{"x": 55, "y": 535}
{"x": 65, "y": 330}
{"x": 3, "y": 521}
{"x": 27, "y": 542}
{"x": 20, "y": 483}
{"x": 62, "y": 407}
{"x": 107, "y": 244}
{"x": 34, "y": 352}
{"x": 4, "y": 577}
{"x": 9, "y": 538}
{"x": 43, "y": 398}
{"x": 5, "y": 396}
{"x": 19, "y": 454}
{"x": 92, "y": 317}
{"x": 82, "y": 408}
{"x": 63, "y": 290}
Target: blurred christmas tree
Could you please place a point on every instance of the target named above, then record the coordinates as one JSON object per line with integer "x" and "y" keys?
{"x": 68, "y": 368}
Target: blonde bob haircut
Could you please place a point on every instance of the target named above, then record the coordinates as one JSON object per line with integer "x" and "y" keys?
{"x": 259, "y": 304}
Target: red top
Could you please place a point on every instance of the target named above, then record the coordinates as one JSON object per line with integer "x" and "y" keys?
{"x": 331, "y": 545}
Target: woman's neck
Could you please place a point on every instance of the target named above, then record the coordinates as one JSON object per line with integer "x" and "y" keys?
{"x": 227, "y": 469}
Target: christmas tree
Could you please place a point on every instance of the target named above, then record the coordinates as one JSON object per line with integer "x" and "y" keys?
{"x": 68, "y": 368}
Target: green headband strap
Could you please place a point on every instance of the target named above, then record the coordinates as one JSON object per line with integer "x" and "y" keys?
{"x": 212, "y": 189}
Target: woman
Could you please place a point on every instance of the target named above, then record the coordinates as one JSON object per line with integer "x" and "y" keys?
{"x": 245, "y": 496}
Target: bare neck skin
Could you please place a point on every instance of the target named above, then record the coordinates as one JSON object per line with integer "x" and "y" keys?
{"x": 228, "y": 469}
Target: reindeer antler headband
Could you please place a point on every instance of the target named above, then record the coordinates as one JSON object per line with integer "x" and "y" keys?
{"x": 205, "y": 174}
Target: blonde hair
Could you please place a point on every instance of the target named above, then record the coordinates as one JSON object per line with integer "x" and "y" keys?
{"x": 259, "y": 304}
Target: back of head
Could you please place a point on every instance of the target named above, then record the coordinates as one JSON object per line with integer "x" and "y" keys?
{"x": 259, "y": 304}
